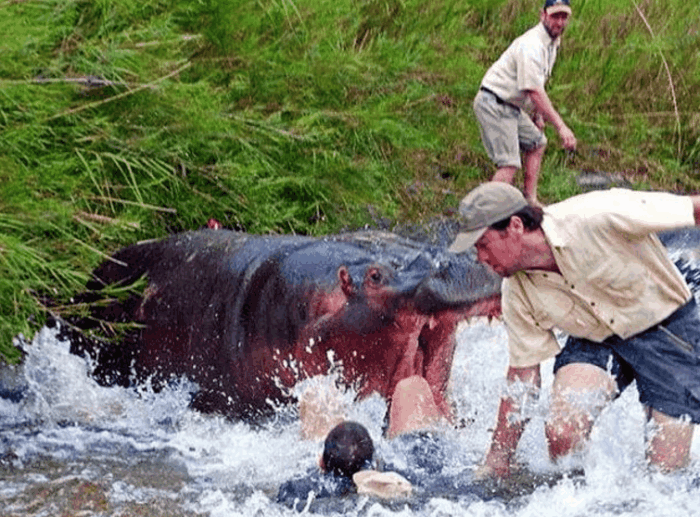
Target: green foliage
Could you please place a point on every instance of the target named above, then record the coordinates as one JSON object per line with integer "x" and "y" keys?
{"x": 127, "y": 119}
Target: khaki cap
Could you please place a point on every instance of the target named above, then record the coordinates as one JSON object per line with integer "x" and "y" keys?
{"x": 485, "y": 205}
{"x": 385, "y": 485}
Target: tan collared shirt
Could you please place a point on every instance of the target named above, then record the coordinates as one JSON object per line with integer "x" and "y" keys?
{"x": 616, "y": 277}
{"x": 525, "y": 65}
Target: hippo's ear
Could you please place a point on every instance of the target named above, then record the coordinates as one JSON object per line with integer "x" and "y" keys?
{"x": 345, "y": 280}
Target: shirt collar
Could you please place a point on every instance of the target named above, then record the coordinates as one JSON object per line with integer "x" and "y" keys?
{"x": 556, "y": 238}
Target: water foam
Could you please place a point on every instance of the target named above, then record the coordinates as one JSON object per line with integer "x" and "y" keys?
{"x": 141, "y": 449}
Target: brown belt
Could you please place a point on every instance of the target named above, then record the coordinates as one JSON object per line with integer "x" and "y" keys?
{"x": 498, "y": 99}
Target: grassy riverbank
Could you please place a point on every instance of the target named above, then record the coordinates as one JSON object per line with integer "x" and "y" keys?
{"x": 128, "y": 119}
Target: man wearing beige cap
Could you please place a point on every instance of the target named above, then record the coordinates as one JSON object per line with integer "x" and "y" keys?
{"x": 593, "y": 267}
{"x": 512, "y": 105}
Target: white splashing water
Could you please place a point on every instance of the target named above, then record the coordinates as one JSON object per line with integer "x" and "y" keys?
{"x": 68, "y": 440}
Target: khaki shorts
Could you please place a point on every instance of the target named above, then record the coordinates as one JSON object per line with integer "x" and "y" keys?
{"x": 506, "y": 131}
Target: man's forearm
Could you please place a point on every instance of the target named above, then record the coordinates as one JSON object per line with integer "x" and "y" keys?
{"x": 545, "y": 107}
{"x": 505, "y": 439}
{"x": 511, "y": 421}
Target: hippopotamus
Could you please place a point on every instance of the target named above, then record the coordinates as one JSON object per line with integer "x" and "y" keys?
{"x": 247, "y": 316}
{"x": 683, "y": 247}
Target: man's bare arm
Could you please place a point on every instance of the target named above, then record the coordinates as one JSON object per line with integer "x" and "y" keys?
{"x": 545, "y": 107}
{"x": 511, "y": 422}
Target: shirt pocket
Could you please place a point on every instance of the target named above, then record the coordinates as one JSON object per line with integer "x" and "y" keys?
{"x": 619, "y": 281}
{"x": 581, "y": 323}
{"x": 553, "y": 308}
{"x": 558, "y": 309}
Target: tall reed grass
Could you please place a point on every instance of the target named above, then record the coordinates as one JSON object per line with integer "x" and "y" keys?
{"x": 128, "y": 119}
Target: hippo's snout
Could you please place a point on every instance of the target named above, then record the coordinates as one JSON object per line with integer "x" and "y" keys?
{"x": 457, "y": 281}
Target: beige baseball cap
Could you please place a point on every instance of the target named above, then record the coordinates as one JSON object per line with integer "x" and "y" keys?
{"x": 485, "y": 205}
{"x": 385, "y": 485}
{"x": 557, "y": 6}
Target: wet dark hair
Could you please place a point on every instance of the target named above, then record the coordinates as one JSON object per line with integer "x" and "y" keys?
{"x": 348, "y": 449}
{"x": 530, "y": 215}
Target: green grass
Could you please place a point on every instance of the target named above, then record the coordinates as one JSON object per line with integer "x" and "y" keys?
{"x": 127, "y": 119}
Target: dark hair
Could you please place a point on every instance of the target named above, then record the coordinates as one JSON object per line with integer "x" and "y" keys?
{"x": 530, "y": 215}
{"x": 348, "y": 449}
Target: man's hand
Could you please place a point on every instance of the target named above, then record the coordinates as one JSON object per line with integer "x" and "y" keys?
{"x": 568, "y": 140}
{"x": 538, "y": 119}
{"x": 510, "y": 423}
{"x": 544, "y": 108}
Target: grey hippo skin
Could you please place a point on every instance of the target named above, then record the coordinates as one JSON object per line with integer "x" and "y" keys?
{"x": 683, "y": 248}
{"x": 247, "y": 316}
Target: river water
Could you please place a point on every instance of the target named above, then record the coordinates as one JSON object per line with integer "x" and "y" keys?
{"x": 71, "y": 447}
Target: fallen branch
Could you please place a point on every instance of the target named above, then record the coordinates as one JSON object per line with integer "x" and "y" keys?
{"x": 121, "y": 95}
{"x": 184, "y": 37}
{"x": 89, "y": 81}
{"x": 102, "y": 219}
{"x": 135, "y": 203}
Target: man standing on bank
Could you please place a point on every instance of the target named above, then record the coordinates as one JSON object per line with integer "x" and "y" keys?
{"x": 512, "y": 105}
{"x": 592, "y": 266}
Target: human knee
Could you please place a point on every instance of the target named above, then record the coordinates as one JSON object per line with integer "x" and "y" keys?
{"x": 581, "y": 392}
{"x": 413, "y": 394}
{"x": 413, "y": 407}
{"x": 411, "y": 384}
{"x": 583, "y": 387}
{"x": 537, "y": 149}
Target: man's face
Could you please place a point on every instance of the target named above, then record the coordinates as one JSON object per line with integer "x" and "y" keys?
{"x": 555, "y": 23}
{"x": 500, "y": 250}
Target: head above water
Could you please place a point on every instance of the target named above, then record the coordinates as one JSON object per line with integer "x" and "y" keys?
{"x": 487, "y": 204}
{"x": 505, "y": 230}
{"x": 555, "y": 17}
{"x": 348, "y": 449}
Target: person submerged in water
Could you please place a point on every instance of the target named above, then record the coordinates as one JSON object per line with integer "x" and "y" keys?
{"x": 348, "y": 464}
{"x": 345, "y": 467}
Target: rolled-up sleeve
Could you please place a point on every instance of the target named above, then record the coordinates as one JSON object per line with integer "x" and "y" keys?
{"x": 529, "y": 341}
